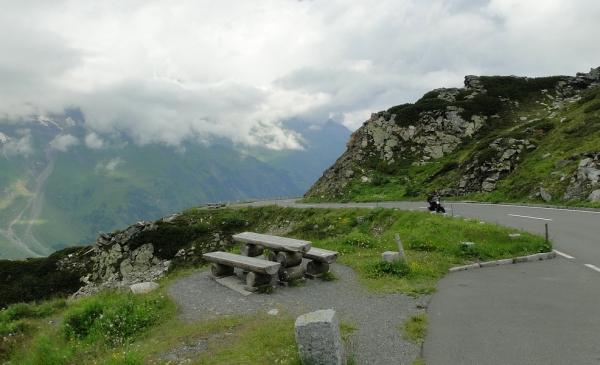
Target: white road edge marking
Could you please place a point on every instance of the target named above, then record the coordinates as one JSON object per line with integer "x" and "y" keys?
{"x": 564, "y": 254}
{"x": 593, "y": 267}
{"x": 529, "y": 207}
{"x": 526, "y": 216}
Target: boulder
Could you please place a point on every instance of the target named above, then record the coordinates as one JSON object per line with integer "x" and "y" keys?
{"x": 141, "y": 288}
{"x": 594, "y": 196}
{"x": 390, "y": 256}
{"x": 544, "y": 194}
{"x": 319, "y": 339}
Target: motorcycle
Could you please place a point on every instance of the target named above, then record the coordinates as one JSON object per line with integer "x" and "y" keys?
{"x": 435, "y": 205}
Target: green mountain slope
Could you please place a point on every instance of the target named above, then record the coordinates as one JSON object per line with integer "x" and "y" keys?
{"x": 52, "y": 199}
{"x": 500, "y": 138}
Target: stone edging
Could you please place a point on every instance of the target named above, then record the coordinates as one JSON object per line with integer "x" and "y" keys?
{"x": 529, "y": 258}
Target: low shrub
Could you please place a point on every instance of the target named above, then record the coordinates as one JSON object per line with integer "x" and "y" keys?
{"x": 592, "y": 108}
{"x": 544, "y": 126}
{"x": 378, "y": 269}
{"x": 114, "y": 319}
{"x": 379, "y": 179}
{"x": 360, "y": 240}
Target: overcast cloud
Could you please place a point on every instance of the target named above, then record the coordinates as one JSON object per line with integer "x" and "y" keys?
{"x": 169, "y": 70}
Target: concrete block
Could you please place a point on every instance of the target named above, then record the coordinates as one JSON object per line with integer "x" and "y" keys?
{"x": 488, "y": 264}
{"x": 319, "y": 339}
{"x": 528, "y": 258}
{"x": 465, "y": 267}
{"x": 505, "y": 262}
{"x": 514, "y": 236}
{"x": 390, "y": 256}
{"x": 141, "y": 288}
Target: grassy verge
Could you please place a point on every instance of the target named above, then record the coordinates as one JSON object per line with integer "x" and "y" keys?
{"x": 118, "y": 328}
{"x": 415, "y": 328}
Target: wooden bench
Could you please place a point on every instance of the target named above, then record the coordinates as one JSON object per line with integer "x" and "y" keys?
{"x": 321, "y": 255}
{"x": 214, "y": 205}
{"x": 320, "y": 259}
{"x": 259, "y": 270}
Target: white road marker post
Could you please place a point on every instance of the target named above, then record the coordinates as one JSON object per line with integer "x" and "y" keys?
{"x": 401, "y": 249}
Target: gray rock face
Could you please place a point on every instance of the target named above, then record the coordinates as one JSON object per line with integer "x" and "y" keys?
{"x": 594, "y": 196}
{"x": 482, "y": 174}
{"x": 116, "y": 266}
{"x": 387, "y": 138}
{"x": 585, "y": 178}
{"x": 319, "y": 339}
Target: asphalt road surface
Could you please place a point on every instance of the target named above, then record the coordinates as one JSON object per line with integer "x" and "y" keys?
{"x": 545, "y": 312}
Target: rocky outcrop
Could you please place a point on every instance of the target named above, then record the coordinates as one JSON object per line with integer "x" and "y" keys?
{"x": 144, "y": 252}
{"x": 384, "y": 139}
{"x": 584, "y": 182}
{"x": 437, "y": 133}
{"x": 494, "y": 162}
{"x": 116, "y": 265}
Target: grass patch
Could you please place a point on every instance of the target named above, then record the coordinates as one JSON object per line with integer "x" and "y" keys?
{"x": 100, "y": 329}
{"x": 415, "y": 328}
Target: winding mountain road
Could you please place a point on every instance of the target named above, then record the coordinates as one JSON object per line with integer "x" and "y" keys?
{"x": 29, "y": 215}
{"x": 545, "y": 312}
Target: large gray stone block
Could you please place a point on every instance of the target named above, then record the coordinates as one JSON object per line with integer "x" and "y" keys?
{"x": 390, "y": 256}
{"x": 319, "y": 339}
{"x": 141, "y": 288}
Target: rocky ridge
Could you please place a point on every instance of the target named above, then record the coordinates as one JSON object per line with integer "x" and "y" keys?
{"x": 386, "y": 139}
{"x": 119, "y": 262}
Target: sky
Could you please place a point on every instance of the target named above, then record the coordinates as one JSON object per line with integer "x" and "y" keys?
{"x": 168, "y": 71}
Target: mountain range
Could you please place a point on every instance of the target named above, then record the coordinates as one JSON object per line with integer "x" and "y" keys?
{"x": 55, "y": 192}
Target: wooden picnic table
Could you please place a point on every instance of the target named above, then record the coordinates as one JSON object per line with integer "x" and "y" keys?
{"x": 275, "y": 243}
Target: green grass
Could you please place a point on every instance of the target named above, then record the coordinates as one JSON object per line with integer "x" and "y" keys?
{"x": 415, "y": 328}
{"x": 117, "y": 328}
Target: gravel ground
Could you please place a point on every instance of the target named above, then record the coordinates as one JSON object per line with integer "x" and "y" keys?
{"x": 377, "y": 339}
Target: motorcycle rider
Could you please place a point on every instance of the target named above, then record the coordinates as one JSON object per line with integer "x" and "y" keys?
{"x": 435, "y": 203}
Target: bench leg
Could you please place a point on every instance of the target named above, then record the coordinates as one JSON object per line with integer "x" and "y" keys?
{"x": 254, "y": 279}
{"x": 252, "y": 250}
{"x": 291, "y": 273}
{"x": 219, "y": 270}
{"x": 316, "y": 269}
{"x": 288, "y": 259}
